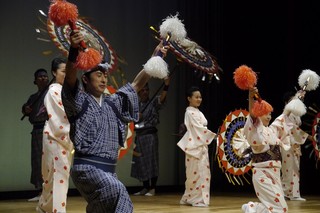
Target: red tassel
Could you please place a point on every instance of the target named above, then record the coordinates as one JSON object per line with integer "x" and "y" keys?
{"x": 88, "y": 59}
{"x": 61, "y": 11}
{"x": 244, "y": 77}
{"x": 260, "y": 108}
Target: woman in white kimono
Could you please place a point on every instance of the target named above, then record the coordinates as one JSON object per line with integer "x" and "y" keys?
{"x": 57, "y": 147}
{"x": 290, "y": 175}
{"x": 195, "y": 145}
{"x": 291, "y": 163}
{"x": 266, "y": 143}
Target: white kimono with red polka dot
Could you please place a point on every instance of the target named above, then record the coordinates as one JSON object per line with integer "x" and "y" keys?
{"x": 266, "y": 175}
{"x": 195, "y": 145}
{"x": 56, "y": 157}
{"x": 291, "y": 160}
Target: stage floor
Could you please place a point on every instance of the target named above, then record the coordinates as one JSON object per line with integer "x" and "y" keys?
{"x": 169, "y": 203}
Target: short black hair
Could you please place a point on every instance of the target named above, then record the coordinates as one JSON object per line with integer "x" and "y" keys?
{"x": 36, "y": 73}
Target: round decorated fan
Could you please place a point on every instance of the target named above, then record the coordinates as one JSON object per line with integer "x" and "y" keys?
{"x": 231, "y": 144}
{"x": 193, "y": 54}
{"x": 173, "y": 33}
{"x": 60, "y": 37}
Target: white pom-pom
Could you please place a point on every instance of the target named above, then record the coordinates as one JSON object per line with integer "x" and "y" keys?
{"x": 295, "y": 106}
{"x": 313, "y": 81}
{"x": 174, "y": 26}
{"x": 156, "y": 67}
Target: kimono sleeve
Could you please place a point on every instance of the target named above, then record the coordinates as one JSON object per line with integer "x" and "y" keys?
{"x": 297, "y": 135}
{"x": 196, "y": 137}
{"x": 254, "y": 132}
{"x": 57, "y": 122}
{"x": 72, "y": 100}
{"x": 240, "y": 142}
{"x": 282, "y": 126}
{"x": 126, "y": 101}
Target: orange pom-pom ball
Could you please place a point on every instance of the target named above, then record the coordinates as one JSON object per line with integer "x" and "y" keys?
{"x": 260, "y": 108}
{"x": 244, "y": 77}
{"x": 88, "y": 59}
{"x": 61, "y": 12}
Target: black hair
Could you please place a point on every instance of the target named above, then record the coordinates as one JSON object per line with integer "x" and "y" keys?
{"x": 39, "y": 71}
{"x": 88, "y": 75}
{"x": 56, "y": 62}
{"x": 191, "y": 90}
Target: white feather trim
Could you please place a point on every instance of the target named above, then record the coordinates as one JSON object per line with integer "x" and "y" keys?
{"x": 192, "y": 47}
{"x": 173, "y": 25}
{"x": 104, "y": 66}
{"x": 156, "y": 67}
{"x": 314, "y": 79}
{"x": 295, "y": 106}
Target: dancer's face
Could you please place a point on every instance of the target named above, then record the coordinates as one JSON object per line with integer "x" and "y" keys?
{"x": 96, "y": 83}
{"x": 265, "y": 119}
{"x": 144, "y": 94}
{"x": 195, "y": 100}
{"x": 41, "y": 80}
{"x": 60, "y": 73}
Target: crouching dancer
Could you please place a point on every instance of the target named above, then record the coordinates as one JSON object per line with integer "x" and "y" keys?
{"x": 266, "y": 142}
{"x": 97, "y": 129}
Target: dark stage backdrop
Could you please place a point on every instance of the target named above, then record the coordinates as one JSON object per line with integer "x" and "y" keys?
{"x": 278, "y": 39}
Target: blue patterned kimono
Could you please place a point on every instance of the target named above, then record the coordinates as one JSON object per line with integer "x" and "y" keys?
{"x": 97, "y": 131}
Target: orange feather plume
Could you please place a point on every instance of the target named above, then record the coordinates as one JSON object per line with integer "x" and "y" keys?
{"x": 260, "y": 108}
{"x": 244, "y": 77}
{"x": 88, "y": 59}
{"x": 61, "y": 12}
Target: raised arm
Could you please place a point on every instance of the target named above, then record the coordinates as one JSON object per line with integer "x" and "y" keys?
{"x": 140, "y": 80}
{"x": 142, "y": 77}
{"x": 71, "y": 73}
{"x": 164, "y": 92}
{"x": 251, "y": 99}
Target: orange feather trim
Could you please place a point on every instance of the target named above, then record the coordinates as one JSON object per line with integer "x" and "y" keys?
{"x": 244, "y": 77}
{"x": 88, "y": 59}
{"x": 61, "y": 12}
{"x": 261, "y": 108}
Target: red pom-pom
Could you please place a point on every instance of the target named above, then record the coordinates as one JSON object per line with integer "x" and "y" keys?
{"x": 88, "y": 59}
{"x": 244, "y": 77}
{"x": 260, "y": 108}
{"x": 61, "y": 12}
